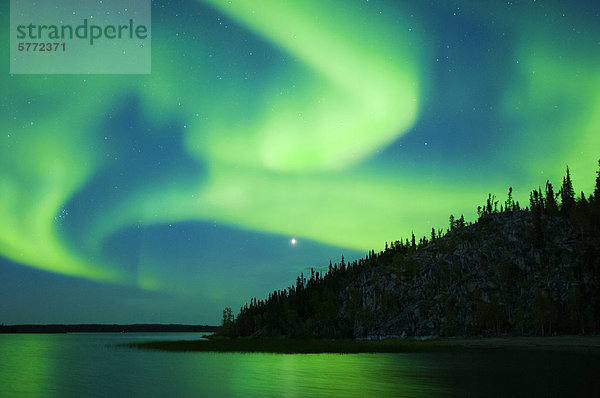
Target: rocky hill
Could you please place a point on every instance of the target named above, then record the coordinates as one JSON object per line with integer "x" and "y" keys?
{"x": 521, "y": 272}
{"x": 487, "y": 278}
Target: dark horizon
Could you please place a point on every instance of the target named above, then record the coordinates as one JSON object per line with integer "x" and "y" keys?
{"x": 105, "y": 328}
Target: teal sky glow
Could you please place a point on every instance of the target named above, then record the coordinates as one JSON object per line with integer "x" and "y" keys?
{"x": 340, "y": 124}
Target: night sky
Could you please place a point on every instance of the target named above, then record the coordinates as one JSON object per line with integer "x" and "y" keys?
{"x": 274, "y": 136}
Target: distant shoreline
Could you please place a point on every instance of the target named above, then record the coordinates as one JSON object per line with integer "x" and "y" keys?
{"x": 392, "y": 345}
{"x": 108, "y": 328}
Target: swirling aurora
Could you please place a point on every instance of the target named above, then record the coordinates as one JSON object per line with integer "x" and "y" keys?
{"x": 342, "y": 124}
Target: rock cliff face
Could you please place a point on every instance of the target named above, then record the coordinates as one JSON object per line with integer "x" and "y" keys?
{"x": 509, "y": 273}
{"x": 520, "y": 272}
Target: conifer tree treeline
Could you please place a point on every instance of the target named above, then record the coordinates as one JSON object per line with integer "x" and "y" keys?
{"x": 311, "y": 306}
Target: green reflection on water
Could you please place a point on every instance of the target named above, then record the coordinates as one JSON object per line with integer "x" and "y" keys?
{"x": 27, "y": 366}
{"x": 92, "y": 365}
{"x": 77, "y": 365}
{"x": 328, "y": 375}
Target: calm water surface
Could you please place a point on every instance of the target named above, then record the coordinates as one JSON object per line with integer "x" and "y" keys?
{"x": 75, "y": 365}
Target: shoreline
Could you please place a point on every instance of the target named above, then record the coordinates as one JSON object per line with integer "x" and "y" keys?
{"x": 393, "y": 345}
{"x": 107, "y": 328}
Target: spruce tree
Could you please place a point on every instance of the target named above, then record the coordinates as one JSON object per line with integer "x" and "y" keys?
{"x": 597, "y": 188}
{"x": 567, "y": 194}
{"x": 509, "y": 204}
{"x": 551, "y": 206}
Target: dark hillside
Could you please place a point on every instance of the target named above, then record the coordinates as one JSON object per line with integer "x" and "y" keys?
{"x": 532, "y": 271}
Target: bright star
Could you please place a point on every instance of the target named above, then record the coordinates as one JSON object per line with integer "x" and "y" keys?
{"x": 293, "y": 241}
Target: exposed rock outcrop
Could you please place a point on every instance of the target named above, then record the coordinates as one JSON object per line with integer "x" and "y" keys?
{"x": 491, "y": 274}
{"x": 521, "y": 272}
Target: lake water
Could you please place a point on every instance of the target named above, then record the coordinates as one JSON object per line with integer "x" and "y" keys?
{"x": 92, "y": 365}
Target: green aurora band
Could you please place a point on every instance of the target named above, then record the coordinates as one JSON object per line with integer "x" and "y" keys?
{"x": 295, "y": 151}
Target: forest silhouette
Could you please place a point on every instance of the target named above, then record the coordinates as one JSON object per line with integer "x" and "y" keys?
{"x": 532, "y": 270}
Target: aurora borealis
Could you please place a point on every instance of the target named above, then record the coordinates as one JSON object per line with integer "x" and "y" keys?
{"x": 340, "y": 123}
